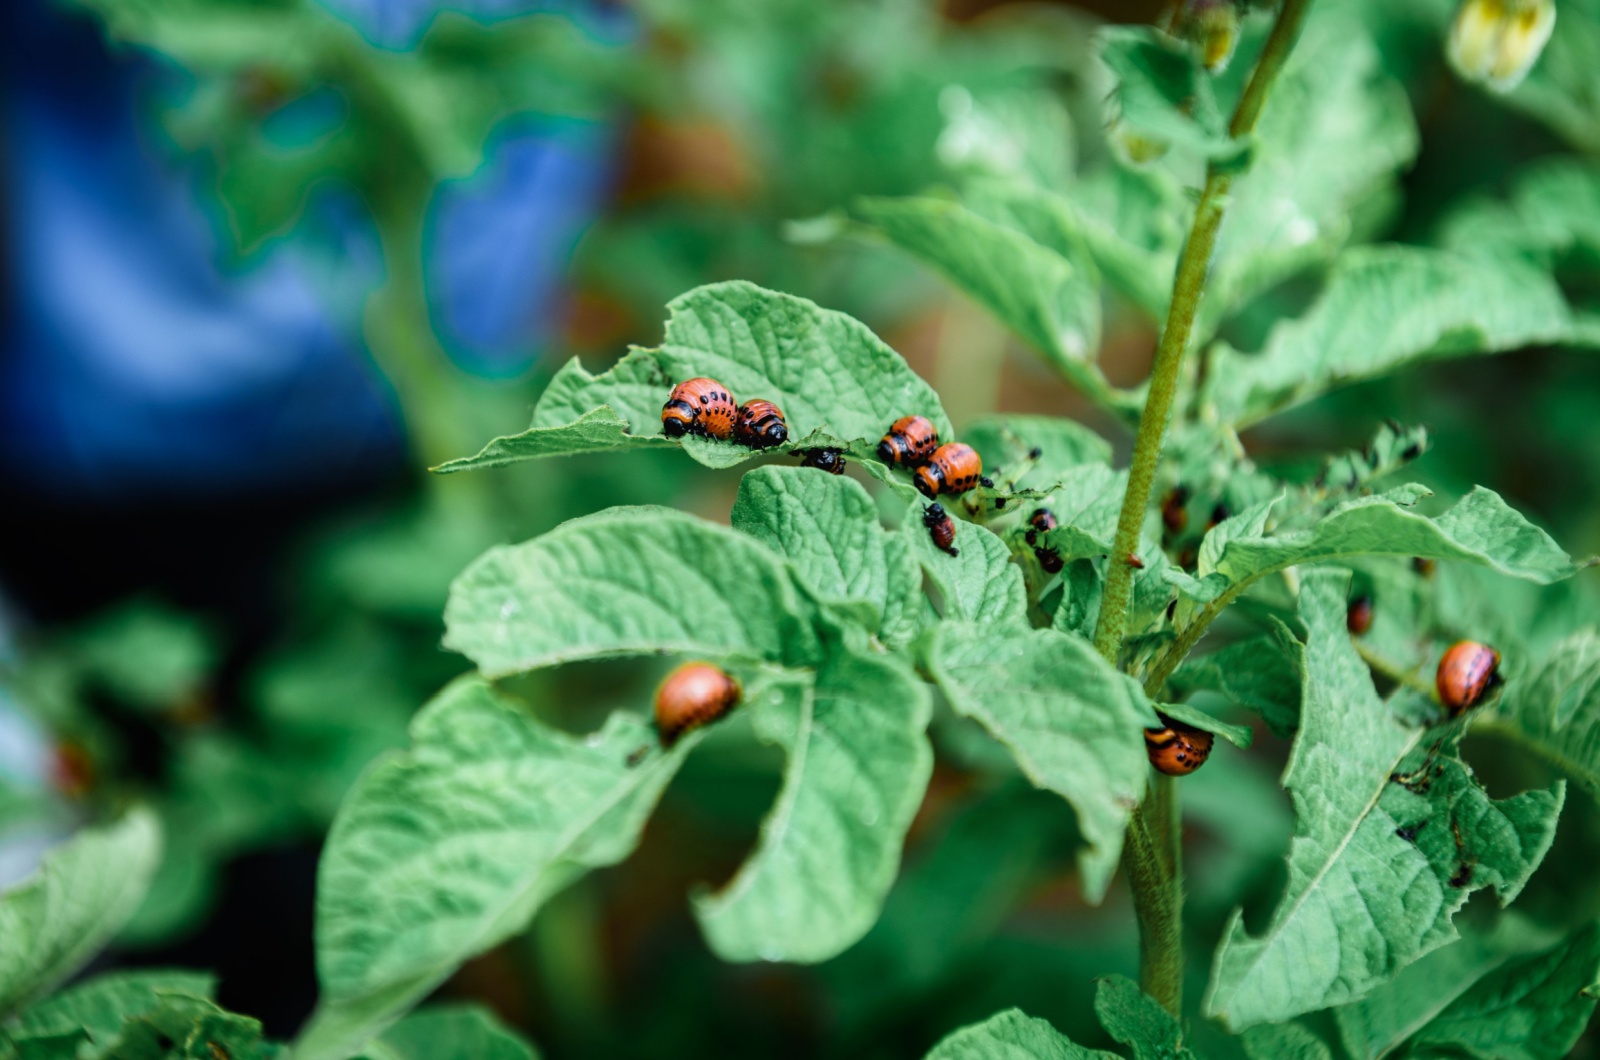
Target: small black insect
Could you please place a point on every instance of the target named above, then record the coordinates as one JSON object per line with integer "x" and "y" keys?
{"x": 986, "y": 482}
{"x": 829, "y": 460}
{"x": 1035, "y": 453}
{"x": 1411, "y": 452}
{"x": 941, "y": 528}
{"x": 1463, "y": 875}
{"x": 999, "y": 504}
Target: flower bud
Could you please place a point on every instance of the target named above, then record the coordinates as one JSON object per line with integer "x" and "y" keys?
{"x": 1213, "y": 26}
{"x": 1496, "y": 42}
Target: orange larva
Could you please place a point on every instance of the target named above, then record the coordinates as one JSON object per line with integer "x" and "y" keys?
{"x": 1177, "y": 750}
{"x": 1358, "y": 619}
{"x": 953, "y": 468}
{"x": 693, "y": 695}
{"x": 909, "y": 443}
{"x": 760, "y": 425}
{"x": 1466, "y": 674}
{"x": 699, "y": 406}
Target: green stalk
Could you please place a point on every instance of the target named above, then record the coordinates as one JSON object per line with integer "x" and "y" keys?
{"x": 1187, "y": 289}
{"x": 1153, "y": 856}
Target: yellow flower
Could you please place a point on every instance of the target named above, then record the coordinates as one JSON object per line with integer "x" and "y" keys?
{"x": 1496, "y": 42}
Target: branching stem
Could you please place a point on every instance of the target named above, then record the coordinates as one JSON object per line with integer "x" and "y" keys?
{"x": 1153, "y": 854}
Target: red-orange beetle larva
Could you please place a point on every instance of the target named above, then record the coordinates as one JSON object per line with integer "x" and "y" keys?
{"x": 693, "y": 695}
{"x": 760, "y": 425}
{"x": 699, "y": 406}
{"x": 1177, "y": 750}
{"x": 910, "y": 441}
{"x": 1358, "y": 619}
{"x": 953, "y": 468}
{"x": 1466, "y": 674}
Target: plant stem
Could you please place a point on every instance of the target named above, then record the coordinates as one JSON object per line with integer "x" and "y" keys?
{"x": 1153, "y": 861}
{"x": 1187, "y": 289}
{"x": 1153, "y": 856}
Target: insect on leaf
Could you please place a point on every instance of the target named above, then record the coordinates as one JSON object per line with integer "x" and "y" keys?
{"x": 1392, "y": 834}
{"x": 1073, "y": 723}
{"x": 827, "y": 371}
{"x": 979, "y": 584}
{"x": 443, "y": 851}
{"x": 858, "y": 764}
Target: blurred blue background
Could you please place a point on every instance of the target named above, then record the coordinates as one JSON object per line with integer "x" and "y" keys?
{"x": 138, "y": 361}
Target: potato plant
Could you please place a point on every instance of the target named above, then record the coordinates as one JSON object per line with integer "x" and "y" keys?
{"x": 1235, "y": 205}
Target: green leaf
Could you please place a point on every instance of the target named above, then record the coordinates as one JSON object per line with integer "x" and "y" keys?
{"x": 628, "y": 581}
{"x": 1004, "y": 443}
{"x": 1552, "y": 211}
{"x": 1381, "y": 1022}
{"x": 450, "y": 1032}
{"x": 1557, "y": 707}
{"x": 1260, "y": 674}
{"x": 442, "y": 852}
{"x": 827, "y": 371}
{"x": 86, "y": 889}
{"x": 100, "y": 1006}
{"x": 595, "y": 431}
{"x": 858, "y": 764}
{"x": 1051, "y": 301}
{"x": 1134, "y": 1018}
{"x": 1134, "y": 222}
{"x": 1073, "y": 723}
{"x": 1012, "y": 1035}
{"x": 1376, "y": 869}
{"x": 49, "y": 1047}
{"x": 1480, "y": 529}
{"x": 1385, "y": 308}
{"x": 1284, "y": 1041}
{"x": 1530, "y": 1008}
{"x": 827, "y": 526}
{"x": 1238, "y": 735}
{"x": 1162, "y": 93}
{"x": 979, "y": 584}
{"x": 189, "y": 1028}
